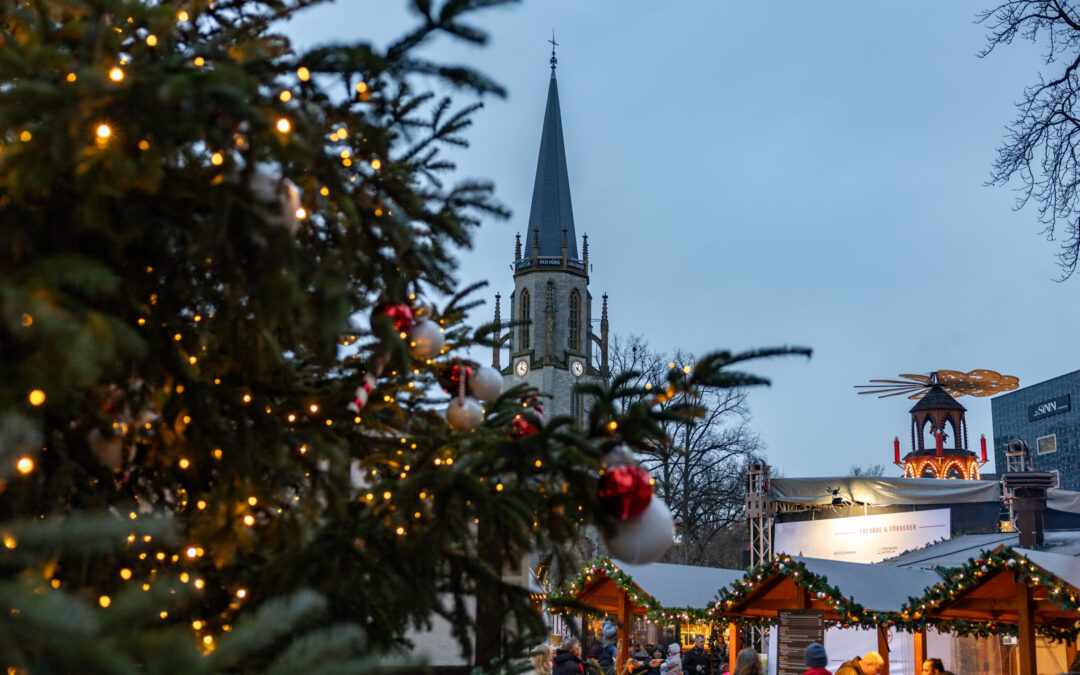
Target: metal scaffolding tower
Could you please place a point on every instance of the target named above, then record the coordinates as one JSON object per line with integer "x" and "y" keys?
{"x": 760, "y": 509}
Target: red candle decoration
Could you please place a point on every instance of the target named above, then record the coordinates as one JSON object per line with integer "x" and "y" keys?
{"x": 940, "y": 445}
{"x": 982, "y": 444}
{"x": 625, "y": 491}
{"x": 896, "y": 448}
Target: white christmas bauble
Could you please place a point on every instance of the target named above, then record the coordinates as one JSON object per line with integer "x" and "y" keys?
{"x": 486, "y": 383}
{"x": 464, "y": 414}
{"x": 426, "y": 339}
{"x": 268, "y": 184}
{"x": 644, "y": 539}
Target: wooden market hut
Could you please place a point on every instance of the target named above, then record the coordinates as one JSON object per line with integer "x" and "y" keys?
{"x": 656, "y": 590}
{"x": 852, "y": 594}
{"x": 1034, "y": 590}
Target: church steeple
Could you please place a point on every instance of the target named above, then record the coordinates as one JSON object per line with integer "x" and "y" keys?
{"x": 552, "y": 214}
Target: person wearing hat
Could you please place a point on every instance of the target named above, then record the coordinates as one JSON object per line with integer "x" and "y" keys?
{"x": 816, "y": 660}
{"x": 673, "y": 664}
{"x": 606, "y": 657}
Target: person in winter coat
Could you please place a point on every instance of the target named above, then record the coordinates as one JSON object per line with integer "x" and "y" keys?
{"x": 868, "y": 665}
{"x": 673, "y": 665}
{"x": 747, "y": 663}
{"x": 657, "y": 656}
{"x": 568, "y": 658}
{"x": 606, "y": 657}
{"x": 815, "y": 659}
{"x": 696, "y": 661}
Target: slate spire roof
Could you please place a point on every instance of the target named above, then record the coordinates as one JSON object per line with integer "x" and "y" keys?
{"x": 552, "y": 211}
{"x": 937, "y": 398}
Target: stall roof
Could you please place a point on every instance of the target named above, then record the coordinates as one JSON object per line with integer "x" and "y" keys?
{"x": 680, "y": 585}
{"x": 958, "y": 550}
{"x": 1064, "y": 567}
{"x": 875, "y": 587}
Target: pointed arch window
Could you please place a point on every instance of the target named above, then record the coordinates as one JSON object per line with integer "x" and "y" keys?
{"x": 573, "y": 337}
{"x": 523, "y": 314}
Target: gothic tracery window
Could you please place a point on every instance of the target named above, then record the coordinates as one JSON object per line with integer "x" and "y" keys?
{"x": 574, "y": 321}
{"x": 523, "y": 314}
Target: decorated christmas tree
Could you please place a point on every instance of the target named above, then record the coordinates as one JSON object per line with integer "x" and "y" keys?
{"x": 230, "y": 334}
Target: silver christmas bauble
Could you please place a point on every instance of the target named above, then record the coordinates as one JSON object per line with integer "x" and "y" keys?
{"x": 464, "y": 414}
{"x": 426, "y": 339}
{"x": 643, "y": 539}
{"x": 486, "y": 383}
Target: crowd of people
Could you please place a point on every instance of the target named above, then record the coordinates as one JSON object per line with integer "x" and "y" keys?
{"x": 567, "y": 659}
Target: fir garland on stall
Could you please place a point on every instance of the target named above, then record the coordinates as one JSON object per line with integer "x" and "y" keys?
{"x": 851, "y": 613}
{"x": 977, "y": 571}
{"x": 564, "y": 599}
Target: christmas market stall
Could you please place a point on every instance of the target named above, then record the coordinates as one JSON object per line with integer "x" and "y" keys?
{"x": 1008, "y": 591}
{"x": 845, "y": 595}
{"x": 651, "y": 596}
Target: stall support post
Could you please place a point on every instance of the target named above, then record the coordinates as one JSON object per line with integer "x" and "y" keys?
{"x": 802, "y": 598}
{"x": 624, "y": 632}
{"x": 883, "y": 649}
{"x": 1025, "y": 629}
{"x": 920, "y": 647}
{"x": 734, "y": 644}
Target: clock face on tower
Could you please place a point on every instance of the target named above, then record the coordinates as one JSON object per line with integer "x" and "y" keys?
{"x": 577, "y": 368}
{"x": 522, "y": 368}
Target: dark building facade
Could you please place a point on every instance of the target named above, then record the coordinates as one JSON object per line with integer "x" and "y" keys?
{"x": 1045, "y": 416}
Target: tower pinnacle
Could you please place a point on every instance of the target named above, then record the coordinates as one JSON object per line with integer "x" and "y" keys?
{"x": 554, "y": 59}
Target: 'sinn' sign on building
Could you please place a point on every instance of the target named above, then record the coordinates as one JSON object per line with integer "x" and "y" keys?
{"x": 1046, "y": 408}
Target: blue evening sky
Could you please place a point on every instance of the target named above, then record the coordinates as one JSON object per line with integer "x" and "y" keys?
{"x": 805, "y": 173}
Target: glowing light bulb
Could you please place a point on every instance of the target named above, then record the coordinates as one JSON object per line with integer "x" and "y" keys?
{"x": 199, "y": 61}
{"x": 116, "y": 74}
{"x": 125, "y": 574}
{"x": 37, "y": 397}
{"x": 249, "y": 520}
{"x": 184, "y": 463}
{"x": 242, "y": 593}
{"x": 103, "y": 131}
{"x": 25, "y": 465}
{"x": 182, "y": 16}
{"x": 151, "y": 40}
{"x": 376, "y": 164}
{"x": 217, "y": 159}
{"x": 104, "y": 601}
{"x": 283, "y": 125}
{"x": 285, "y": 95}
{"x": 303, "y": 73}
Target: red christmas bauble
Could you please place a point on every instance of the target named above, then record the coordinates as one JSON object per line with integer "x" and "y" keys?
{"x": 450, "y": 378}
{"x": 522, "y": 426}
{"x": 625, "y": 491}
{"x": 400, "y": 314}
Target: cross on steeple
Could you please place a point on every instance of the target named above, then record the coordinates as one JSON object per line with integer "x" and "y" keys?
{"x": 554, "y": 60}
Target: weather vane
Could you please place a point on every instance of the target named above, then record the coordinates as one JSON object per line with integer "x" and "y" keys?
{"x": 973, "y": 383}
{"x": 554, "y": 60}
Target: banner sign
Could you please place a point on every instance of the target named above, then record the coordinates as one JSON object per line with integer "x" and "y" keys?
{"x": 1047, "y": 408}
{"x": 797, "y": 629}
{"x": 862, "y": 539}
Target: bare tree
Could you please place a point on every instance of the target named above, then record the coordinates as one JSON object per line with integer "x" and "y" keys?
{"x": 868, "y": 471}
{"x": 1042, "y": 143}
{"x": 700, "y": 466}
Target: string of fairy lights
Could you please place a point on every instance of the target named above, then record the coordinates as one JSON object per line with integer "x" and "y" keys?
{"x": 915, "y": 615}
{"x": 151, "y": 563}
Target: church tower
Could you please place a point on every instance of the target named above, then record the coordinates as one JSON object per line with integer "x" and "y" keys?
{"x": 551, "y": 347}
